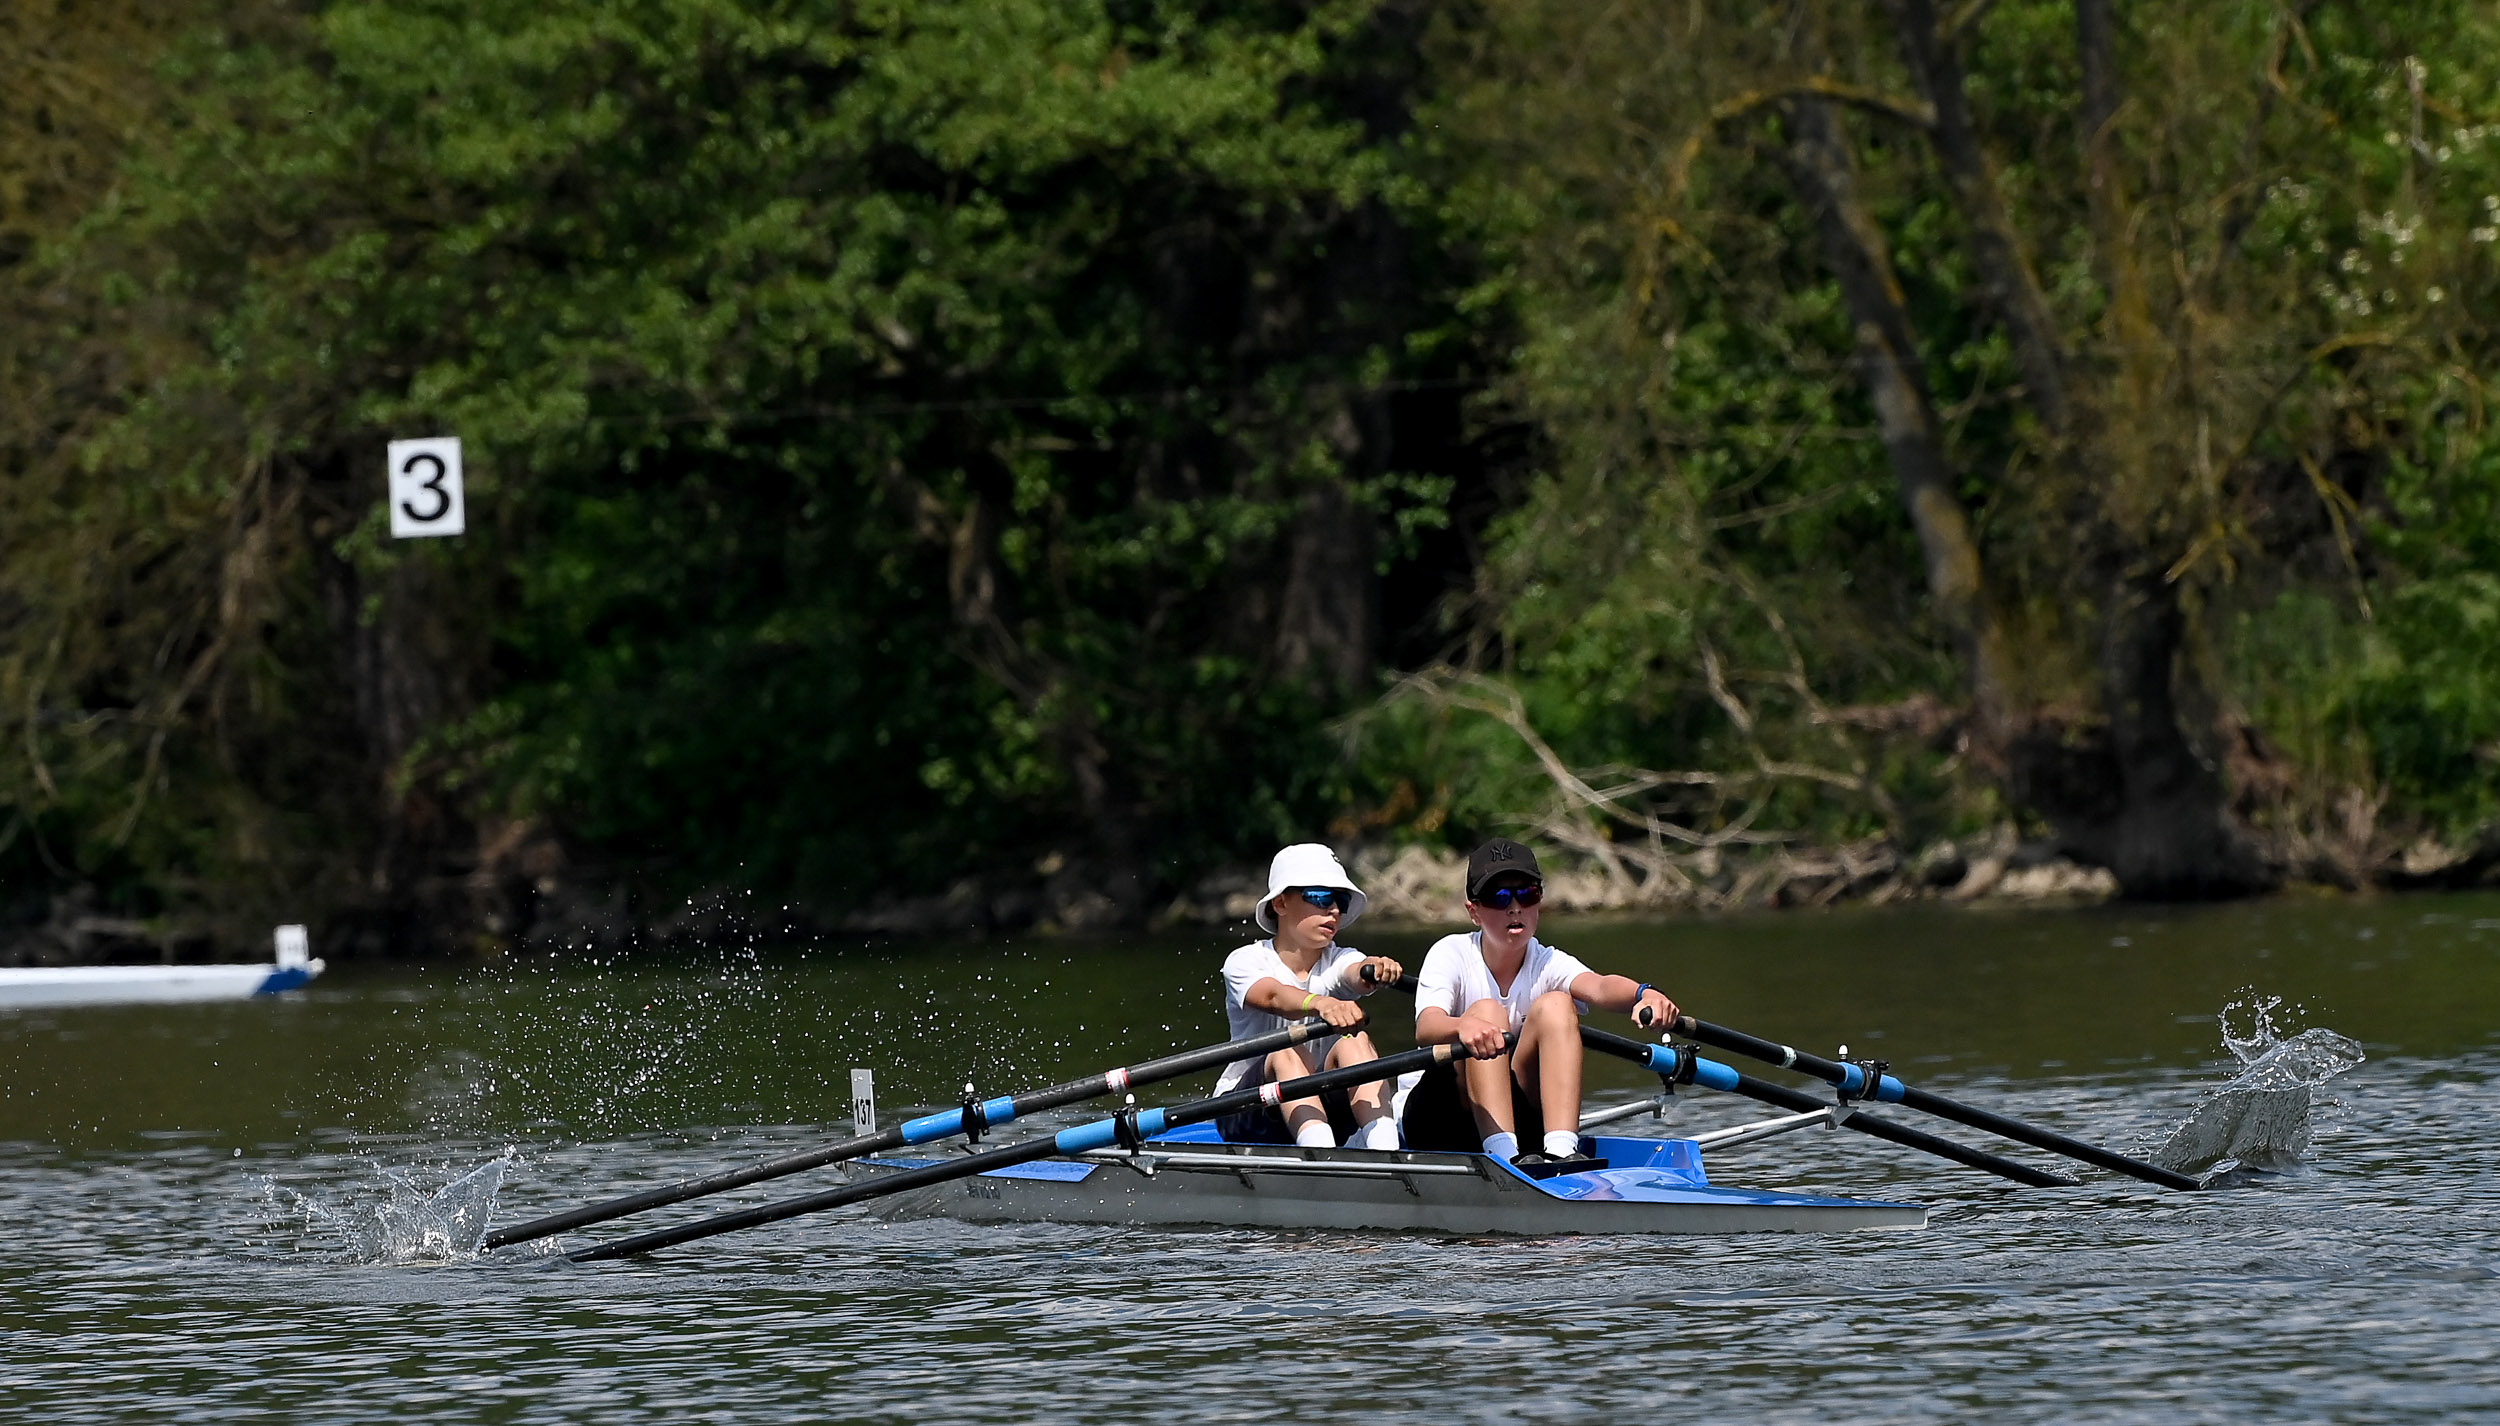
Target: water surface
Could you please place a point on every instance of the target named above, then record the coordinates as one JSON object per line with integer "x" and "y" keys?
{"x": 202, "y": 1201}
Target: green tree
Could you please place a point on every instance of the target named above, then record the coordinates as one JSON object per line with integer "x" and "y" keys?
{"x": 2092, "y": 346}
{"x": 901, "y": 439}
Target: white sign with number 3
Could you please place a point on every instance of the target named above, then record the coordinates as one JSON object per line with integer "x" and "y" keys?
{"x": 425, "y": 488}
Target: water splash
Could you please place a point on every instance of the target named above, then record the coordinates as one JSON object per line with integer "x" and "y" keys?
{"x": 408, "y": 1221}
{"x": 629, "y": 1045}
{"x": 2261, "y": 1121}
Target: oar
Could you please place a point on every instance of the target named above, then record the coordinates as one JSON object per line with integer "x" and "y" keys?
{"x": 1129, "y": 1125}
{"x": 1713, "y": 1075}
{"x": 1886, "y": 1090}
{"x": 941, "y": 1125}
{"x": 1685, "y": 1067}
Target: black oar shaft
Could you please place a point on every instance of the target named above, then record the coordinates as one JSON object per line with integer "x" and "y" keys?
{"x": 1801, "y": 1102}
{"x": 1928, "y": 1102}
{"x": 1081, "y": 1139}
{"x": 1669, "y": 1060}
{"x": 916, "y": 1131}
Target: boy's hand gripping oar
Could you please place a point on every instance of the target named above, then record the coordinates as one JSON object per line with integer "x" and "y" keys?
{"x": 1884, "y": 1089}
{"x": 916, "y": 1131}
{"x": 1130, "y": 1127}
{"x": 1682, "y": 1066}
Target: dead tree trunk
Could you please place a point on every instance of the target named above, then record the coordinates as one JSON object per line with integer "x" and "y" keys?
{"x": 2013, "y": 290}
{"x": 2133, "y": 794}
{"x": 1825, "y": 177}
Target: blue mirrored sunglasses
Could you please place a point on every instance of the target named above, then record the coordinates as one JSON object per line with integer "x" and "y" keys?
{"x": 1328, "y": 898}
{"x": 1504, "y": 898}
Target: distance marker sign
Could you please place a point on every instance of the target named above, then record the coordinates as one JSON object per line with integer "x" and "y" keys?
{"x": 425, "y": 488}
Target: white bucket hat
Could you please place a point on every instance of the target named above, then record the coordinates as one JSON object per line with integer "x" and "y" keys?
{"x": 1307, "y": 864}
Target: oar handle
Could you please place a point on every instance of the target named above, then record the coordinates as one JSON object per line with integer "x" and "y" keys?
{"x": 1886, "y": 1089}
{"x": 1404, "y": 982}
{"x": 928, "y": 1127}
{"x": 1101, "y": 1133}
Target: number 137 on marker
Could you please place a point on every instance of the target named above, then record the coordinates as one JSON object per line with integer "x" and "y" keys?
{"x": 425, "y": 488}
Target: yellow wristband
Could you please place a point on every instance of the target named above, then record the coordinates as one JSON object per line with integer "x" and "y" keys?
{"x": 1307, "y": 999}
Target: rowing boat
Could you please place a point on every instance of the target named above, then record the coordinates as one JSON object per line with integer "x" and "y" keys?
{"x": 1169, "y": 1166}
{"x": 43, "y": 987}
{"x": 1193, "y": 1176}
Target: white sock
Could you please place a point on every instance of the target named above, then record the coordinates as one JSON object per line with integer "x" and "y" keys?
{"x": 1562, "y": 1143}
{"x": 1502, "y": 1146}
{"x": 1381, "y": 1133}
{"x": 1315, "y": 1135}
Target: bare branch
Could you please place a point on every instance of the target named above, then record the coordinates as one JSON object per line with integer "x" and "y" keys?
{"x": 1913, "y": 112}
{"x": 1965, "y": 20}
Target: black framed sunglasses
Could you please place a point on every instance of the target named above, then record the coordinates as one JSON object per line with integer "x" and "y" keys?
{"x": 1504, "y": 898}
{"x": 1329, "y": 898}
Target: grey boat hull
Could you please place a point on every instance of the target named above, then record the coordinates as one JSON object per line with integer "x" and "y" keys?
{"x": 1650, "y": 1186}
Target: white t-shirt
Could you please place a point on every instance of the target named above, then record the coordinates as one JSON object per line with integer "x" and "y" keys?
{"x": 1455, "y": 976}
{"x": 1332, "y": 975}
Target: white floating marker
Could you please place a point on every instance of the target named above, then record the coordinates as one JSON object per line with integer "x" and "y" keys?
{"x": 294, "y": 947}
{"x": 863, "y": 1101}
{"x": 425, "y": 488}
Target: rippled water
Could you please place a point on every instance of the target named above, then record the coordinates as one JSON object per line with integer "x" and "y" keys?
{"x": 262, "y": 1211}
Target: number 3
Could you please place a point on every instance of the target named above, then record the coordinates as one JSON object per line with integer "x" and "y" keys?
{"x": 433, "y": 484}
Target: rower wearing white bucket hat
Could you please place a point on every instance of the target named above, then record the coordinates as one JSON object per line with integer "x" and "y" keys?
{"x": 1298, "y": 972}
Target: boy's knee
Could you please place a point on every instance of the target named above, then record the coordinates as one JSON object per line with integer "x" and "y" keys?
{"x": 1353, "y": 1050}
{"x": 1555, "y": 1004}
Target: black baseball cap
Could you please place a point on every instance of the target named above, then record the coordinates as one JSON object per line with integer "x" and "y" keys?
{"x": 1499, "y": 857}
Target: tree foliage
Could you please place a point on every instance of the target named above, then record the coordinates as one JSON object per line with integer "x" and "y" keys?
{"x": 2188, "y": 320}
{"x": 908, "y": 442}
{"x": 902, "y": 438}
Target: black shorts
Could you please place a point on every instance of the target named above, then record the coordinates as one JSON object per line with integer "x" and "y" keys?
{"x": 1265, "y": 1123}
{"x": 1437, "y": 1116}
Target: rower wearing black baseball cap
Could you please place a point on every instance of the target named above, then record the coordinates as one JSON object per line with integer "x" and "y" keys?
{"x": 1479, "y": 985}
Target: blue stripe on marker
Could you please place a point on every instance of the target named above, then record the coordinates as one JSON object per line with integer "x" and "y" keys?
{"x": 1889, "y": 1090}
{"x": 1851, "y": 1078}
{"x": 1662, "y": 1059}
{"x": 1001, "y": 1110}
{"x": 1149, "y": 1123}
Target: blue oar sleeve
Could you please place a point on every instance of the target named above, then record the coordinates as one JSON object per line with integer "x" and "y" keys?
{"x": 938, "y": 1126}
{"x": 1709, "y": 1074}
{"x": 1103, "y": 1133}
{"x": 1887, "y": 1089}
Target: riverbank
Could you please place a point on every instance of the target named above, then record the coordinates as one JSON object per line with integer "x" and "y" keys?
{"x": 566, "y": 908}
